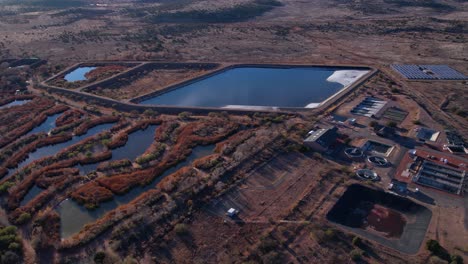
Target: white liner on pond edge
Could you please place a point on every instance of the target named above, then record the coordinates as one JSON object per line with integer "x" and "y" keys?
{"x": 346, "y": 77}
{"x": 343, "y": 77}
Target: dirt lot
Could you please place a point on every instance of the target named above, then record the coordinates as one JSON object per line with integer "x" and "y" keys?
{"x": 152, "y": 81}
{"x": 266, "y": 197}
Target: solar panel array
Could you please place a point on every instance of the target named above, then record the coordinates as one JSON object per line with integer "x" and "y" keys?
{"x": 428, "y": 72}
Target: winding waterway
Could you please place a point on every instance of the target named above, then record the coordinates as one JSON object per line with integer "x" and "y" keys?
{"x": 74, "y": 217}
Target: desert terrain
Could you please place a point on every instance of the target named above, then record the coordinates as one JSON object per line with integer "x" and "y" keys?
{"x": 89, "y": 176}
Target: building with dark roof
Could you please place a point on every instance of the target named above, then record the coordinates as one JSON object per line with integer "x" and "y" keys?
{"x": 321, "y": 140}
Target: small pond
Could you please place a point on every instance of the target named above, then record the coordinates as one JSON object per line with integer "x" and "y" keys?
{"x": 78, "y": 74}
{"x": 16, "y": 102}
{"x": 74, "y": 217}
{"x": 261, "y": 87}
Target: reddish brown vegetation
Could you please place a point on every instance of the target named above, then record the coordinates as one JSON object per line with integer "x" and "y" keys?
{"x": 36, "y": 204}
{"x": 183, "y": 185}
{"x": 208, "y": 162}
{"x": 53, "y": 177}
{"x": 116, "y": 166}
{"x": 228, "y": 146}
{"x": 172, "y": 182}
{"x": 20, "y": 120}
{"x": 80, "y": 130}
{"x": 69, "y": 117}
{"x": 120, "y": 125}
{"x": 105, "y": 155}
{"x": 113, "y": 217}
{"x": 192, "y": 134}
{"x": 165, "y": 131}
{"x": 105, "y": 72}
{"x": 46, "y": 231}
{"x": 91, "y": 193}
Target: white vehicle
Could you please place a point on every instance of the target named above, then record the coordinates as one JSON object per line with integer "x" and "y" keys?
{"x": 232, "y": 212}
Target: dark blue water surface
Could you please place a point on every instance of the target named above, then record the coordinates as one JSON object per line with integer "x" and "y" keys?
{"x": 35, "y": 191}
{"x": 16, "y": 102}
{"x": 74, "y": 217}
{"x": 254, "y": 86}
{"x": 136, "y": 145}
{"x": 46, "y": 126}
{"x": 78, "y": 74}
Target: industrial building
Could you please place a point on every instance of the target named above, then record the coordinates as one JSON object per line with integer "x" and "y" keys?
{"x": 321, "y": 140}
{"x": 439, "y": 170}
{"x": 439, "y": 176}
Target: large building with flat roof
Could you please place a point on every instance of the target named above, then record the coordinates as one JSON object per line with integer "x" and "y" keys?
{"x": 435, "y": 169}
{"x": 322, "y": 139}
{"x": 442, "y": 177}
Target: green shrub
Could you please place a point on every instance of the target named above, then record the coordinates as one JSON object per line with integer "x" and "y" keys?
{"x": 356, "y": 254}
{"x": 99, "y": 257}
{"x": 10, "y": 245}
{"x": 436, "y": 260}
{"x": 149, "y": 113}
{"x": 456, "y": 259}
{"x": 317, "y": 156}
{"x": 185, "y": 115}
{"x": 10, "y": 257}
{"x": 373, "y": 123}
{"x": 272, "y": 258}
{"x": 267, "y": 245}
{"x": 23, "y": 218}
{"x": 356, "y": 241}
{"x": 181, "y": 229}
{"x": 14, "y": 246}
{"x": 435, "y": 248}
{"x": 5, "y": 186}
{"x": 392, "y": 124}
{"x": 395, "y": 90}
{"x": 330, "y": 233}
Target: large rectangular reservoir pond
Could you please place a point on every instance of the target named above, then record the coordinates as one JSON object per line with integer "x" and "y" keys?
{"x": 262, "y": 87}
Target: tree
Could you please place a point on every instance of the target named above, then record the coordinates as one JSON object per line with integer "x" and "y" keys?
{"x": 436, "y": 249}
{"x": 356, "y": 254}
{"x": 267, "y": 244}
{"x": 272, "y": 258}
{"x": 149, "y": 113}
{"x": 356, "y": 241}
{"x": 456, "y": 259}
{"x": 10, "y": 258}
{"x": 99, "y": 257}
{"x": 392, "y": 124}
{"x": 185, "y": 115}
{"x": 23, "y": 218}
{"x": 181, "y": 229}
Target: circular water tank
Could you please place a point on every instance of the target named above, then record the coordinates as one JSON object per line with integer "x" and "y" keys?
{"x": 378, "y": 161}
{"x": 354, "y": 152}
{"x": 366, "y": 174}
